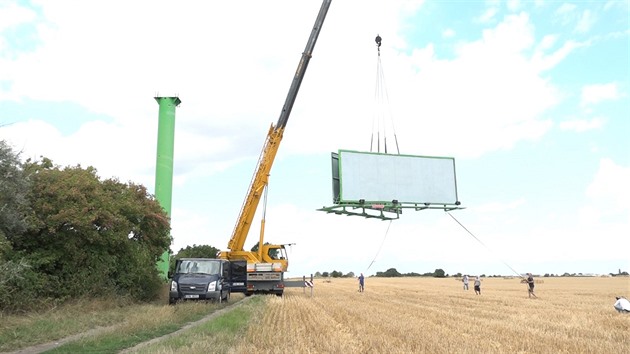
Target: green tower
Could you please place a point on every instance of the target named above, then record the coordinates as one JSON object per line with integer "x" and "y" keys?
{"x": 164, "y": 164}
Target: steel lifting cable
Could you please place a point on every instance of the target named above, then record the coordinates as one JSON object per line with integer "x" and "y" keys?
{"x": 483, "y": 244}
{"x": 381, "y": 99}
{"x": 380, "y": 247}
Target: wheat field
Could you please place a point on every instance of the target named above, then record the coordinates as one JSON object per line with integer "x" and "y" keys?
{"x": 416, "y": 315}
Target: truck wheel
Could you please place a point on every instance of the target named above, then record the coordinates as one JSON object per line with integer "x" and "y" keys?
{"x": 172, "y": 301}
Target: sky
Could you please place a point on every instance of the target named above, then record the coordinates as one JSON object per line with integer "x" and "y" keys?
{"x": 531, "y": 99}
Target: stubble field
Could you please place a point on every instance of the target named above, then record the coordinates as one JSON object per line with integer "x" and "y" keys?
{"x": 412, "y": 315}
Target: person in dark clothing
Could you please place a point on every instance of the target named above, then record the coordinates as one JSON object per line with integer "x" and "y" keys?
{"x": 530, "y": 285}
{"x": 361, "y": 283}
{"x": 477, "y": 286}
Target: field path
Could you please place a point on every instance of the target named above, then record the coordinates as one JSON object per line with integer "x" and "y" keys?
{"x": 41, "y": 348}
{"x": 188, "y": 326}
{"x": 44, "y": 347}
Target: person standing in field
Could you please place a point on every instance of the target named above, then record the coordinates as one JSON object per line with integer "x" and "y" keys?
{"x": 361, "y": 283}
{"x": 530, "y": 285}
{"x": 477, "y": 285}
{"x": 465, "y": 281}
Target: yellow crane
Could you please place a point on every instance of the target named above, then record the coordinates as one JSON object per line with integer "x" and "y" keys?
{"x": 266, "y": 266}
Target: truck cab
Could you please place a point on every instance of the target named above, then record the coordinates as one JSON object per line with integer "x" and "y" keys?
{"x": 200, "y": 279}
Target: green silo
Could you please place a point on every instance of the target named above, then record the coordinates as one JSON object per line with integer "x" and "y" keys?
{"x": 164, "y": 163}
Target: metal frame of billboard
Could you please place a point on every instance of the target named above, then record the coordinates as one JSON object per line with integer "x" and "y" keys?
{"x": 390, "y": 209}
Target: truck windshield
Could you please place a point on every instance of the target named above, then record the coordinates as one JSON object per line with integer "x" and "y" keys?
{"x": 199, "y": 266}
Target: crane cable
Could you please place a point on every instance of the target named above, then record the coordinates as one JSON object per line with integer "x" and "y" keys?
{"x": 380, "y": 247}
{"x": 381, "y": 99}
{"x": 483, "y": 244}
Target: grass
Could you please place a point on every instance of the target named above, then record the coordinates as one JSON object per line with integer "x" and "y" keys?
{"x": 216, "y": 336}
{"x": 114, "y": 325}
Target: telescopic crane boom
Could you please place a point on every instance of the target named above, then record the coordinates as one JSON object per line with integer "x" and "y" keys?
{"x": 269, "y": 257}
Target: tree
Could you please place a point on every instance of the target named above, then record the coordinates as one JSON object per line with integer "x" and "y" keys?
{"x": 325, "y": 274}
{"x": 390, "y": 273}
{"x": 14, "y": 206}
{"x": 439, "y": 273}
{"x": 349, "y": 275}
{"x": 273, "y": 253}
{"x": 91, "y": 237}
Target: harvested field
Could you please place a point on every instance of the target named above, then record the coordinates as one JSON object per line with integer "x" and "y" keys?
{"x": 403, "y": 315}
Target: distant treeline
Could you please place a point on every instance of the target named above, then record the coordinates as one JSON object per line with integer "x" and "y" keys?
{"x": 439, "y": 273}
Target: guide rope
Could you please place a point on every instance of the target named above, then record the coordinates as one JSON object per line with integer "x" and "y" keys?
{"x": 381, "y": 246}
{"x": 484, "y": 245}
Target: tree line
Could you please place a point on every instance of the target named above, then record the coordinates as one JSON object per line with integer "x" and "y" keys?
{"x": 390, "y": 273}
{"x": 65, "y": 233}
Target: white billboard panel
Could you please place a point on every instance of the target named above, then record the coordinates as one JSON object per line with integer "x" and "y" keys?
{"x": 409, "y": 179}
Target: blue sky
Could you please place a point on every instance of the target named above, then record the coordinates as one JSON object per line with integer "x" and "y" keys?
{"x": 531, "y": 98}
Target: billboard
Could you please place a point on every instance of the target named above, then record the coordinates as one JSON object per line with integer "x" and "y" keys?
{"x": 375, "y": 178}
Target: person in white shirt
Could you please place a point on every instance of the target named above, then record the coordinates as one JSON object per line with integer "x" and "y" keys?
{"x": 622, "y": 305}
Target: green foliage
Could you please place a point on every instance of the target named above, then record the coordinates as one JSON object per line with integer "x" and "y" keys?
{"x": 21, "y": 287}
{"x": 273, "y": 253}
{"x": 87, "y": 237}
{"x": 390, "y": 273}
{"x": 439, "y": 273}
{"x": 194, "y": 251}
{"x": 14, "y": 206}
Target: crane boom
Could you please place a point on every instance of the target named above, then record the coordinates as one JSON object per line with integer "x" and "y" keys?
{"x": 260, "y": 179}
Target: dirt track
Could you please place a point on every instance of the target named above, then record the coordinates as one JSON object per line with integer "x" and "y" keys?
{"x": 41, "y": 348}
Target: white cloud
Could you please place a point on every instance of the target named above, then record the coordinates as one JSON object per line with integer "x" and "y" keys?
{"x": 545, "y": 62}
{"x": 566, "y": 8}
{"x": 548, "y": 41}
{"x": 12, "y": 14}
{"x": 610, "y": 185}
{"x": 612, "y": 3}
{"x": 593, "y": 94}
{"x": 585, "y": 22}
{"x": 492, "y": 79}
{"x": 497, "y": 88}
{"x": 582, "y": 125}
{"x": 487, "y": 15}
{"x": 513, "y": 5}
{"x": 495, "y": 207}
{"x": 448, "y": 33}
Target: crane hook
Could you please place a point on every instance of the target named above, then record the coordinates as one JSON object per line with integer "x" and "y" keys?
{"x": 378, "y": 42}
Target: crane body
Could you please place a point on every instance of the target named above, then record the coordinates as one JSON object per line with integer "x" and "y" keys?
{"x": 266, "y": 265}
